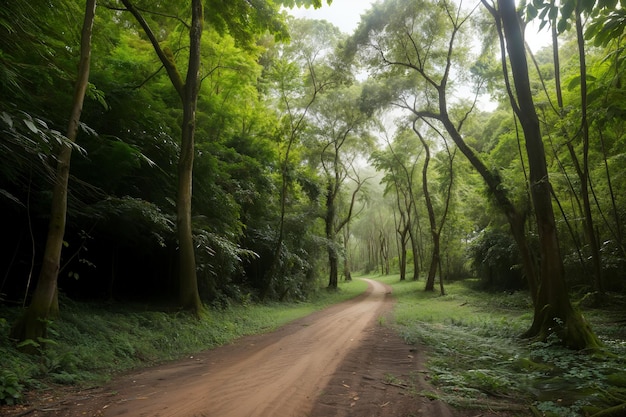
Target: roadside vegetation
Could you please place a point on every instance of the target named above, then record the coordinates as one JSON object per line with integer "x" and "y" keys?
{"x": 476, "y": 358}
{"x": 93, "y": 342}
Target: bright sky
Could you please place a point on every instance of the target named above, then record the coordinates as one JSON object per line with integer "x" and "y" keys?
{"x": 346, "y": 14}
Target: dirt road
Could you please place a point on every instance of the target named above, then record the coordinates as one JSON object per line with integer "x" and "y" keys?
{"x": 337, "y": 362}
{"x": 280, "y": 377}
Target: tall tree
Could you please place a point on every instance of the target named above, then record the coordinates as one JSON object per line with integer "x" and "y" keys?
{"x": 339, "y": 137}
{"x": 435, "y": 229}
{"x": 187, "y": 90}
{"x": 580, "y": 163}
{"x": 302, "y": 72}
{"x": 399, "y": 162}
{"x": 44, "y": 304}
{"x": 553, "y": 310}
{"x": 224, "y": 17}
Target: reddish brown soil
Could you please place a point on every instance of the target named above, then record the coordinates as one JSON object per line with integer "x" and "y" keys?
{"x": 337, "y": 362}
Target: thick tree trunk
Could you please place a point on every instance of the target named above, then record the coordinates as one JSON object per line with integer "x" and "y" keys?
{"x": 434, "y": 264}
{"x": 553, "y": 310}
{"x": 333, "y": 262}
{"x": 44, "y": 303}
{"x": 188, "y": 282}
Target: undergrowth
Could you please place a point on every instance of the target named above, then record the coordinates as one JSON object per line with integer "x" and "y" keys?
{"x": 477, "y": 358}
{"x": 91, "y": 342}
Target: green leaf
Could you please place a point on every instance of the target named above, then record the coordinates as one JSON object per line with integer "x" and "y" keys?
{"x": 531, "y": 12}
{"x": 31, "y": 126}
{"x": 567, "y": 9}
{"x": 563, "y": 25}
{"x": 28, "y": 342}
{"x": 587, "y": 5}
{"x": 8, "y": 120}
{"x": 10, "y": 196}
{"x": 553, "y": 14}
{"x": 574, "y": 83}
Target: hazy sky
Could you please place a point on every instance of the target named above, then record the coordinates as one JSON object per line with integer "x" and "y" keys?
{"x": 346, "y": 14}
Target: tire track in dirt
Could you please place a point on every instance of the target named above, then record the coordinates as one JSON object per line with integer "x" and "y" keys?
{"x": 278, "y": 374}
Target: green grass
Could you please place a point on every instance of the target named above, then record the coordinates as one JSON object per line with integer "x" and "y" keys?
{"x": 476, "y": 358}
{"x": 92, "y": 342}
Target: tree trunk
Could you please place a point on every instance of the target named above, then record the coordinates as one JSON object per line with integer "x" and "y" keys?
{"x": 189, "y": 295}
{"x": 402, "y": 260}
{"x": 346, "y": 248}
{"x": 329, "y": 220}
{"x": 434, "y": 231}
{"x": 416, "y": 253}
{"x": 187, "y": 90}
{"x": 553, "y": 311}
{"x": 44, "y": 304}
{"x": 583, "y": 173}
{"x": 515, "y": 218}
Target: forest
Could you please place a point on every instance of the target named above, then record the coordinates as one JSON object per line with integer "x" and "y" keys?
{"x": 191, "y": 156}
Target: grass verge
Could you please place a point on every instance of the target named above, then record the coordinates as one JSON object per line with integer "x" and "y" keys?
{"x": 91, "y": 342}
{"x": 477, "y": 360}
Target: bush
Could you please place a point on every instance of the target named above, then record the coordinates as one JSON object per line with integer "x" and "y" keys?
{"x": 10, "y": 388}
{"x": 495, "y": 259}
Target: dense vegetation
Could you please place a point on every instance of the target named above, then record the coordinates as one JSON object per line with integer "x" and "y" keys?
{"x": 477, "y": 361}
{"x": 198, "y": 155}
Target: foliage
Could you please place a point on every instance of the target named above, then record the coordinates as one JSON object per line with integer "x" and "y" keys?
{"x": 495, "y": 260}
{"x": 10, "y": 388}
{"x": 477, "y": 359}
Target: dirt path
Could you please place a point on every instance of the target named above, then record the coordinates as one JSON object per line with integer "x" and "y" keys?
{"x": 339, "y": 361}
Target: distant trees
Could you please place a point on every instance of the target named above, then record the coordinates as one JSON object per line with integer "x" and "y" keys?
{"x": 338, "y": 138}
{"x": 399, "y": 162}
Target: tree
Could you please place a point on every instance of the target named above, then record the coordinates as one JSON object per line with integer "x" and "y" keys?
{"x": 224, "y": 17}
{"x": 580, "y": 164}
{"x": 435, "y": 230}
{"x": 44, "y": 304}
{"x": 400, "y": 163}
{"x": 553, "y": 310}
{"x": 302, "y": 72}
{"x": 187, "y": 90}
{"x": 339, "y": 137}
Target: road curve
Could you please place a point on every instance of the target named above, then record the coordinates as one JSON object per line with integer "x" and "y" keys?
{"x": 277, "y": 374}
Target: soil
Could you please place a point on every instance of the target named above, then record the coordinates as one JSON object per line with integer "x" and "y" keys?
{"x": 341, "y": 361}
